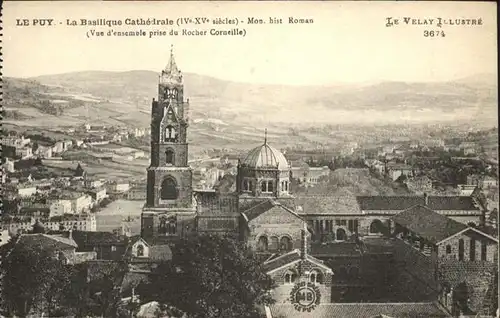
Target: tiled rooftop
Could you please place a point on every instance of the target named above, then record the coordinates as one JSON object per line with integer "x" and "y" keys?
{"x": 430, "y": 225}
{"x": 405, "y": 202}
{"x": 362, "y": 310}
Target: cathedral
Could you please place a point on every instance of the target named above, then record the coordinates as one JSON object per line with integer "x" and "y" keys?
{"x": 261, "y": 211}
{"x": 329, "y": 250}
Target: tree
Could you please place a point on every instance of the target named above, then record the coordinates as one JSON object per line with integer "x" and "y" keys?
{"x": 211, "y": 276}
{"x": 94, "y": 290}
{"x": 31, "y": 280}
{"x": 38, "y": 227}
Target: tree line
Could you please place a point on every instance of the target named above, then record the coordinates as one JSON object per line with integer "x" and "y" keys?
{"x": 208, "y": 276}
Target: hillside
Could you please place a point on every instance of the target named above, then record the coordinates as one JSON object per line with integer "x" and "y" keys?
{"x": 229, "y": 114}
{"x": 391, "y": 102}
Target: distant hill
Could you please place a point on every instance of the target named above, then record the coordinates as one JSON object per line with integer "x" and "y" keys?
{"x": 129, "y": 95}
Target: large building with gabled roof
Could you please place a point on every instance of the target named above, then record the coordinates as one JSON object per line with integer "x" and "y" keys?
{"x": 446, "y": 259}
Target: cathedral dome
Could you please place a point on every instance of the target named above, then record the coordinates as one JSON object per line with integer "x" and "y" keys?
{"x": 265, "y": 156}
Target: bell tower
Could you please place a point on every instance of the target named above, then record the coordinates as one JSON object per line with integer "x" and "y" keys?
{"x": 169, "y": 210}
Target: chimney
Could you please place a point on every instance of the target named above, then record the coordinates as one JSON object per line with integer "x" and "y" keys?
{"x": 303, "y": 246}
{"x": 426, "y": 199}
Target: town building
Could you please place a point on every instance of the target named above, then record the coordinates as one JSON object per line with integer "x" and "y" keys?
{"x": 26, "y": 190}
{"x": 106, "y": 245}
{"x": 81, "y": 222}
{"x": 464, "y": 209}
{"x": 62, "y": 247}
{"x": 466, "y": 189}
{"x": 420, "y": 185}
{"x": 454, "y": 262}
{"x": 98, "y": 194}
{"x": 25, "y": 152}
{"x": 137, "y": 192}
{"x": 118, "y": 187}
{"x": 80, "y": 202}
{"x": 60, "y": 207}
{"x": 8, "y": 165}
{"x": 16, "y": 142}
{"x": 395, "y": 170}
{"x": 4, "y": 237}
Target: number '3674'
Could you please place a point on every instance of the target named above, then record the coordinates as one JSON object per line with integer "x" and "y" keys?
{"x": 433, "y": 34}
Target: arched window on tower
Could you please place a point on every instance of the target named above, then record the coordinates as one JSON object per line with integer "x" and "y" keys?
{"x": 168, "y": 225}
{"x": 169, "y": 189}
{"x": 246, "y": 186}
{"x": 170, "y": 134}
{"x": 169, "y": 156}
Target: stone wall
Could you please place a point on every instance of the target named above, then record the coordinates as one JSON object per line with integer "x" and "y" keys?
{"x": 450, "y": 248}
{"x": 282, "y": 293}
{"x": 475, "y": 276}
{"x": 276, "y": 222}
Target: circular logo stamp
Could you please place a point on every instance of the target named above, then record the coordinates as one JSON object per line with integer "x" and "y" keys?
{"x": 305, "y": 296}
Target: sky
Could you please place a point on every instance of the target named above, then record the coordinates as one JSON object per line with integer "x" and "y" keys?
{"x": 348, "y": 41}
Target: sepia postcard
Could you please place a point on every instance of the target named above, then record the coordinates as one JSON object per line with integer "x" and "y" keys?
{"x": 208, "y": 159}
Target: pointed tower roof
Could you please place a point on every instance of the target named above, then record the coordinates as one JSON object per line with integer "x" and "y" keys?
{"x": 171, "y": 73}
{"x": 171, "y": 66}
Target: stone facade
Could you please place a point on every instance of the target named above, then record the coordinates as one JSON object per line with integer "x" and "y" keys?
{"x": 169, "y": 211}
{"x": 469, "y": 247}
{"x": 278, "y": 227}
{"x": 300, "y": 269}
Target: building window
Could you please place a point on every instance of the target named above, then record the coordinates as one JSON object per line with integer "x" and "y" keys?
{"x": 376, "y": 227}
{"x": 315, "y": 277}
{"x": 472, "y": 250}
{"x": 170, "y": 134}
{"x": 140, "y": 250}
{"x": 274, "y": 246}
{"x": 286, "y": 244}
{"x": 168, "y": 225}
{"x": 461, "y": 250}
{"x": 270, "y": 186}
{"x": 246, "y": 186}
{"x": 350, "y": 225}
{"x": 169, "y": 156}
{"x": 267, "y": 186}
{"x": 483, "y": 251}
{"x": 290, "y": 277}
{"x": 448, "y": 249}
{"x": 341, "y": 235}
{"x": 262, "y": 244}
{"x": 169, "y": 189}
